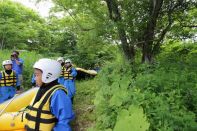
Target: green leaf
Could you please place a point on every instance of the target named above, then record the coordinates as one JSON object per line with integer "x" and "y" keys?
{"x": 132, "y": 120}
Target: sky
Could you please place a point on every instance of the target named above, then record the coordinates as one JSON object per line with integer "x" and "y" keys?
{"x": 42, "y": 8}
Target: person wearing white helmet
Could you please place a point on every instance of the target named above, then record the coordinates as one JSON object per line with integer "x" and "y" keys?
{"x": 70, "y": 74}
{"x": 60, "y": 60}
{"x": 8, "y": 81}
{"x": 51, "y": 109}
{"x": 61, "y": 78}
{"x": 68, "y": 61}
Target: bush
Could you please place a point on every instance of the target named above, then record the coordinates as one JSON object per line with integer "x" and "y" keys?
{"x": 165, "y": 90}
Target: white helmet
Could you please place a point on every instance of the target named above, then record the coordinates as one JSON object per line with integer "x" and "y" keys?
{"x": 7, "y": 62}
{"x": 60, "y": 59}
{"x": 68, "y": 61}
{"x": 51, "y": 69}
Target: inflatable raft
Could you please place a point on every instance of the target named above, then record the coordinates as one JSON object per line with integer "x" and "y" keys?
{"x": 13, "y": 111}
{"x": 12, "y": 121}
{"x": 83, "y": 74}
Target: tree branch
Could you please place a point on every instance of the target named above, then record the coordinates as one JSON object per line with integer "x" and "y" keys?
{"x": 172, "y": 7}
{"x": 79, "y": 25}
{"x": 109, "y": 6}
{"x": 115, "y": 16}
{"x": 189, "y": 26}
{"x": 165, "y": 30}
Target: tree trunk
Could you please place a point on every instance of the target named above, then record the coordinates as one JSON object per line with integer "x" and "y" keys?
{"x": 2, "y": 44}
{"x": 127, "y": 49}
{"x": 147, "y": 56}
{"x": 147, "y": 49}
{"x": 115, "y": 15}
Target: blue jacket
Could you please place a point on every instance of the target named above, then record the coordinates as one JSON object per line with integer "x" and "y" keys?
{"x": 61, "y": 108}
{"x": 73, "y": 72}
{"x": 61, "y": 80}
{"x": 33, "y": 80}
{"x": 70, "y": 84}
{"x": 18, "y": 68}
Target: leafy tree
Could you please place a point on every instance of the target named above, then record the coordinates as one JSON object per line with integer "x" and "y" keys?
{"x": 80, "y": 36}
{"x": 20, "y": 27}
{"x": 138, "y": 24}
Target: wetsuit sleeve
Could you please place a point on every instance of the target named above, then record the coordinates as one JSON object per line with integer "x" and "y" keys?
{"x": 74, "y": 72}
{"x": 21, "y": 61}
{"x": 17, "y": 82}
{"x": 33, "y": 81}
{"x": 61, "y": 80}
{"x": 61, "y": 108}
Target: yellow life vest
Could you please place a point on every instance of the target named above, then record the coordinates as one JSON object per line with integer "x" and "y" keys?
{"x": 8, "y": 80}
{"x": 39, "y": 117}
{"x": 67, "y": 73}
{"x": 63, "y": 70}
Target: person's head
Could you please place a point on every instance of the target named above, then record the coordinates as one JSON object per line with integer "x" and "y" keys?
{"x": 14, "y": 55}
{"x": 68, "y": 63}
{"x": 7, "y": 64}
{"x": 61, "y": 60}
{"x": 46, "y": 71}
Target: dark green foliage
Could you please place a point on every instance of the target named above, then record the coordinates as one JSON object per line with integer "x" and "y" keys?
{"x": 166, "y": 90}
{"x": 18, "y": 26}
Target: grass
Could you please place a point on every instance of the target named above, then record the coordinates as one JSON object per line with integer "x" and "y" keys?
{"x": 84, "y": 105}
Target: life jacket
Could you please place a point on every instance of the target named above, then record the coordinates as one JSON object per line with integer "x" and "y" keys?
{"x": 8, "y": 80}
{"x": 67, "y": 73}
{"x": 63, "y": 70}
{"x": 39, "y": 116}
